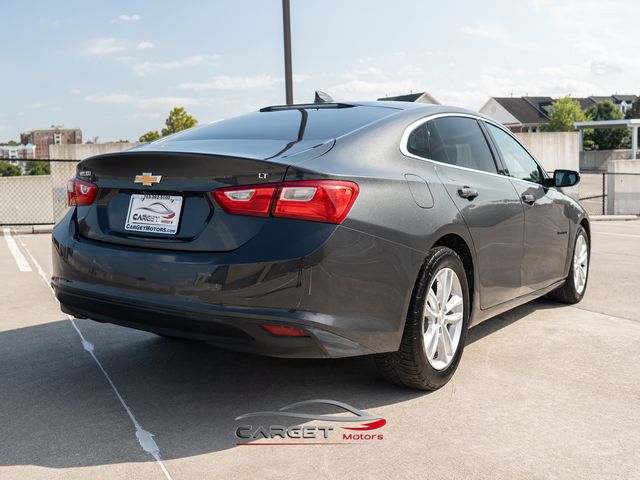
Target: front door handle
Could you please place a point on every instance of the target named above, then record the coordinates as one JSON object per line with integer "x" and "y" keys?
{"x": 528, "y": 198}
{"x": 467, "y": 192}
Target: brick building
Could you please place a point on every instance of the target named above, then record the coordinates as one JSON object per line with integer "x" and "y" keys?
{"x": 56, "y": 135}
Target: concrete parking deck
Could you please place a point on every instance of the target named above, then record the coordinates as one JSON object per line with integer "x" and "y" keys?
{"x": 544, "y": 391}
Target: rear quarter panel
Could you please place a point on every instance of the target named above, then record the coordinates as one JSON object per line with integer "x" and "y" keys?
{"x": 385, "y": 209}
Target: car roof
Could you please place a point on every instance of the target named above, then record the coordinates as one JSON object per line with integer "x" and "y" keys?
{"x": 413, "y": 109}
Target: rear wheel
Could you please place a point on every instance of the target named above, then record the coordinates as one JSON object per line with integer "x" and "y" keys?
{"x": 436, "y": 326}
{"x": 575, "y": 286}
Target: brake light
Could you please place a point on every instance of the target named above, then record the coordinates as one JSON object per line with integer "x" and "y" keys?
{"x": 80, "y": 193}
{"x": 327, "y": 201}
{"x": 254, "y": 201}
{"x": 317, "y": 200}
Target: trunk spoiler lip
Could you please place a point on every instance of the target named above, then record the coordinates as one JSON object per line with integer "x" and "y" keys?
{"x": 270, "y": 151}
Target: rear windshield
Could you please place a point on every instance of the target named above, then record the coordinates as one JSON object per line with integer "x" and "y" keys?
{"x": 294, "y": 124}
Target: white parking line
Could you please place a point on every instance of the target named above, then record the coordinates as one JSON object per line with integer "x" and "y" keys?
{"x": 23, "y": 265}
{"x": 618, "y": 234}
{"x": 145, "y": 438}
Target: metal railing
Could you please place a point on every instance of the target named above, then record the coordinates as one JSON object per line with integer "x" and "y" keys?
{"x": 603, "y": 193}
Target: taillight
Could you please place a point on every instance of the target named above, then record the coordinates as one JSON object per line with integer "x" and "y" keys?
{"x": 317, "y": 200}
{"x": 255, "y": 201}
{"x": 80, "y": 193}
{"x": 326, "y": 201}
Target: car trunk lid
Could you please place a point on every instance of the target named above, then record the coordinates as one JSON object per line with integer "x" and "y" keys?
{"x": 158, "y": 198}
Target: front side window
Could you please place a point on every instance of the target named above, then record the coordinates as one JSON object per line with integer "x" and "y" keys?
{"x": 459, "y": 141}
{"x": 519, "y": 163}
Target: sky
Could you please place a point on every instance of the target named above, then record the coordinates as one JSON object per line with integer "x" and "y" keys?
{"x": 116, "y": 68}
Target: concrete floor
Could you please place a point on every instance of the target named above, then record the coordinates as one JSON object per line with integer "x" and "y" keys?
{"x": 544, "y": 391}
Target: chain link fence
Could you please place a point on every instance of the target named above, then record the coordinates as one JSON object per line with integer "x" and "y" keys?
{"x": 36, "y": 199}
{"x": 42, "y": 199}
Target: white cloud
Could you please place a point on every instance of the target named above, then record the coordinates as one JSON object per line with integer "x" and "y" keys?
{"x": 610, "y": 65}
{"x": 126, "y": 18}
{"x": 365, "y": 89}
{"x": 148, "y": 116}
{"x": 141, "y": 103}
{"x": 484, "y": 29}
{"x": 146, "y": 45}
{"x": 165, "y": 102}
{"x": 110, "y": 98}
{"x": 224, "y": 82}
{"x": 103, "y": 46}
{"x": 60, "y": 22}
{"x": 146, "y": 68}
{"x": 76, "y": 91}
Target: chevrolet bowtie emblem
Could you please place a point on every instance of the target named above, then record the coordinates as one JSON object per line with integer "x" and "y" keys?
{"x": 147, "y": 179}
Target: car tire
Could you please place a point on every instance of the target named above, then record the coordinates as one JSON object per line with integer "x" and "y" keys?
{"x": 415, "y": 364}
{"x": 575, "y": 286}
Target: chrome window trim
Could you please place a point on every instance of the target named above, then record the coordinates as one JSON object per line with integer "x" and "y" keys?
{"x": 404, "y": 140}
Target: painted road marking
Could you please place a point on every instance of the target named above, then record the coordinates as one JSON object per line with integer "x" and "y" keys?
{"x": 23, "y": 265}
{"x": 618, "y": 234}
{"x": 145, "y": 438}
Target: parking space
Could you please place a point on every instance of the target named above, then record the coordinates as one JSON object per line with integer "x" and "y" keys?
{"x": 543, "y": 391}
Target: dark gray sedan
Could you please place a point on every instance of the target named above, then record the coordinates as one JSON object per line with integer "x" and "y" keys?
{"x": 323, "y": 230}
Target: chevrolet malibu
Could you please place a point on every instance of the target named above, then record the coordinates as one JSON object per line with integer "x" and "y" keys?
{"x": 323, "y": 230}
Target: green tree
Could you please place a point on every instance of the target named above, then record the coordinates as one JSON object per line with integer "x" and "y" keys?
{"x": 38, "y": 168}
{"x": 9, "y": 170}
{"x": 150, "y": 136}
{"x": 607, "y": 138}
{"x": 178, "y": 120}
{"x": 634, "y": 111}
{"x": 10, "y": 143}
{"x": 562, "y": 114}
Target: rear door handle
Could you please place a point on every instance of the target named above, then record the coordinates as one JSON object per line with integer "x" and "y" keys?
{"x": 467, "y": 192}
{"x": 528, "y": 198}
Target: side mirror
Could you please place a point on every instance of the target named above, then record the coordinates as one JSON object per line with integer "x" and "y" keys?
{"x": 565, "y": 178}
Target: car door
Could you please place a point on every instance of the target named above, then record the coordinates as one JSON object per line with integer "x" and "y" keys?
{"x": 546, "y": 226}
{"x": 487, "y": 202}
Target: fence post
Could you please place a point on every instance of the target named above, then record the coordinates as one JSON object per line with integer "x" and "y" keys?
{"x": 604, "y": 192}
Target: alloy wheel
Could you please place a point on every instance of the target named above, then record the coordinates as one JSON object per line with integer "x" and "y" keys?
{"x": 443, "y": 314}
{"x": 580, "y": 264}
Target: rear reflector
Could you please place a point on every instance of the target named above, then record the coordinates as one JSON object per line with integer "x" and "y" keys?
{"x": 327, "y": 201}
{"x": 80, "y": 193}
{"x": 284, "y": 331}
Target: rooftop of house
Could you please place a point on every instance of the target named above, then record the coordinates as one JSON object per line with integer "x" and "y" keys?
{"x": 534, "y": 110}
{"x": 525, "y": 109}
{"x": 420, "y": 97}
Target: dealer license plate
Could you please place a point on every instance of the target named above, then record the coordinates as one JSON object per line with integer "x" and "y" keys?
{"x": 154, "y": 214}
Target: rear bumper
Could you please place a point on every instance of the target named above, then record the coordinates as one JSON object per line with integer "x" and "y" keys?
{"x": 350, "y": 292}
{"x": 234, "y": 328}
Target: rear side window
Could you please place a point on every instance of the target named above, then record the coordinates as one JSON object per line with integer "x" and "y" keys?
{"x": 459, "y": 141}
{"x": 290, "y": 124}
{"x": 519, "y": 163}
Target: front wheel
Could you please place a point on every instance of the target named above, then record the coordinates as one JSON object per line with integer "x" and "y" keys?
{"x": 575, "y": 285}
{"x": 436, "y": 326}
